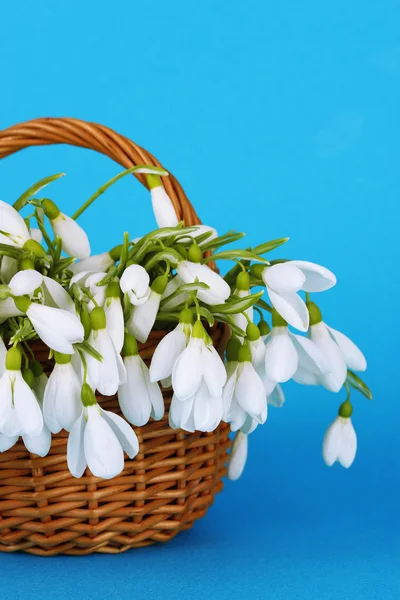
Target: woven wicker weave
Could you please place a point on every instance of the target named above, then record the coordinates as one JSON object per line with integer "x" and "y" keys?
{"x": 174, "y": 478}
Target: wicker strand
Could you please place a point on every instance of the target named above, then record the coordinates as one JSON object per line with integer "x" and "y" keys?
{"x": 174, "y": 478}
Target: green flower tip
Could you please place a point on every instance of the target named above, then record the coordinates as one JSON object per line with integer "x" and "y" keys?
{"x": 115, "y": 252}
{"x": 195, "y": 254}
{"x": 264, "y": 327}
{"x": 51, "y": 210}
{"x": 13, "y": 359}
{"x": 252, "y": 332}
{"x": 26, "y": 264}
{"x": 88, "y": 396}
{"x": 232, "y": 349}
{"x": 36, "y": 367}
{"x": 62, "y": 359}
{"x": 315, "y": 313}
{"x": 346, "y": 409}
{"x": 243, "y": 282}
{"x": 277, "y": 320}
{"x": 186, "y": 316}
{"x": 113, "y": 290}
{"x": 244, "y": 354}
{"x": 198, "y": 330}
{"x": 130, "y": 347}
{"x": 257, "y": 270}
{"x": 98, "y": 318}
{"x": 22, "y": 303}
{"x": 29, "y": 377}
{"x": 34, "y": 247}
{"x": 153, "y": 181}
{"x": 85, "y": 320}
{"x": 159, "y": 284}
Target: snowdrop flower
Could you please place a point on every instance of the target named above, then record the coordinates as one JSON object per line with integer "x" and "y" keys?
{"x": 106, "y": 375}
{"x": 58, "y": 328}
{"x": 25, "y": 282}
{"x": 339, "y": 350}
{"x": 12, "y": 224}
{"x": 98, "y": 440}
{"x": 244, "y": 397}
{"x": 190, "y": 271}
{"x": 286, "y": 352}
{"x": 62, "y": 398}
{"x": 284, "y": 280}
{"x": 143, "y": 316}
{"x": 171, "y": 288}
{"x": 135, "y": 281}
{"x": 93, "y": 264}
{"x": 238, "y": 456}
{"x": 73, "y": 238}
{"x": 139, "y": 398}
{"x": 199, "y": 363}
{"x": 340, "y": 441}
{"x": 20, "y": 413}
{"x": 56, "y": 296}
{"x": 114, "y": 315}
{"x": 163, "y": 208}
{"x": 8, "y": 309}
{"x": 200, "y": 412}
{"x": 171, "y": 347}
{"x": 242, "y": 290}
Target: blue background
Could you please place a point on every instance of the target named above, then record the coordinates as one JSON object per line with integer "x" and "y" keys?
{"x": 279, "y": 119}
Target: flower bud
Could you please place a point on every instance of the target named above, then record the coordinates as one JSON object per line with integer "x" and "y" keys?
{"x": 186, "y": 316}
{"x": 88, "y": 397}
{"x": 252, "y": 332}
{"x": 62, "y": 359}
{"x": 98, "y": 318}
{"x": 34, "y": 247}
{"x": 346, "y": 409}
{"x": 13, "y": 359}
{"x": 244, "y": 354}
{"x": 243, "y": 281}
{"x": 195, "y": 254}
{"x": 159, "y": 284}
{"x": 51, "y": 210}
{"x": 130, "y": 347}
{"x": 314, "y": 312}
{"x": 264, "y": 327}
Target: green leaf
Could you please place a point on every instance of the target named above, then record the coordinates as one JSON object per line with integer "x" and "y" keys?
{"x": 358, "y": 384}
{"x": 234, "y": 307}
{"x": 34, "y": 189}
{"x": 88, "y": 349}
{"x": 11, "y": 251}
{"x": 269, "y": 246}
{"x": 236, "y": 254}
{"x": 264, "y": 305}
{"x": 223, "y": 240}
{"x": 168, "y": 255}
{"x": 61, "y": 265}
{"x": 186, "y": 287}
{"x": 140, "y": 248}
{"x": 229, "y": 321}
{"x": 124, "y": 255}
{"x": 204, "y": 312}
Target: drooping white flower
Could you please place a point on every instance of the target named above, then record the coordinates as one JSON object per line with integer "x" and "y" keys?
{"x": 58, "y": 328}
{"x": 62, "y": 397}
{"x": 171, "y": 288}
{"x": 20, "y": 413}
{"x": 143, "y": 316}
{"x": 135, "y": 282}
{"x": 218, "y": 290}
{"x": 98, "y": 440}
{"x": 56, "y": 296}
{"x": 340, "y": 352}
{"x": 244, "y": 396}
{"x": 198, "y": 363}
{"x": 139, "y": 398}
{"x": 105, "y": 376}
{"x": 284, "y": 280}
{"x": 200, "y": 412}
{"x": 96, "y": 263}
{"x": 238, "y": 456}
{"x": 12, "y": 224}
{"x": 286, "y": 352}
{"x": 25, "y": 282}
{"x": 37, "y": 444}
{"x": 340, "y": 441}
{"x": 171, "y": 347}
{"x": 163, "y": 208}
{"x": 74, "y": 239}
{"x": 114, "y": 315}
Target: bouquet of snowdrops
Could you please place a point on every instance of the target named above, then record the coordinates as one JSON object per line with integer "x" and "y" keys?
{"x": 92, "y": 310}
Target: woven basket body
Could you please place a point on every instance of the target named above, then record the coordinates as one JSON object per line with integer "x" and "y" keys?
{"x": 172, "y": 481}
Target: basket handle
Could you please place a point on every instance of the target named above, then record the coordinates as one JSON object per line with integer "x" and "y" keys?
{"x": 60, "y": 130}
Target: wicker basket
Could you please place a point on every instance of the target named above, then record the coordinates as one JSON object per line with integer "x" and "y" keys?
{"x": 174, "y": 478}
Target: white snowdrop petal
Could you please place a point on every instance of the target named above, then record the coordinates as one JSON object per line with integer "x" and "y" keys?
{"x": 332, "y": 442}
{"x": 335, "y": 379}
{"x": 38, "y": 444}
{"x": 257, "y": 349}
{"x": 317, "y": 277}
{"x": 74, "y": 239}
{"x": 25, "y": 282}
{"x": 172, "y": 286}
{"x": 143, "y": 317}
{"x": 133, "y": 396}
{"x": 186, "y": 374}
{"x": 250, "y": 392}
{"x": 156, "y": 397}
{"x": 123, "y": 432}
{"x": 305, "y": 377}
{"x": 292, "y": 308}
{"x": 348, "y": 447}
{"x": 36, "y": 234}
{"x": 108, "y": 378}
{"x": 68, "y": 403}
{"x": 214, "y": 371}
{"x": 219, "y": 290}
{"x": 163, "y": 208}
{"x": 75, "y": 448}
{"x": 11, "y": 222}
{"x": 166, "y": 353}
{"x": 57, "y": 296}
{"x": 238, "y": 456}
{"x": 283, "y": 278}
{"x": 27, "y": 408}
{"x": 58, "y": 328}
{"x": 310, "y": 356}
{"x": 103, "y": 451}
{"x": 135, "y": 280}
{"x": 352, "y": 355}
{"x": 97, "y": 262}
{"x": 227, "y": 394}
{"x": 276, "y": 398}
{"x": 281, "y": 358}
{"x": 6, "y": 400}
{"x": 8, "y": 309}
{"x": 115, "y": 322}
{"x": 49, "y": 401}
{"x": 7, "y": 442}
{"x": 181, "y": 414}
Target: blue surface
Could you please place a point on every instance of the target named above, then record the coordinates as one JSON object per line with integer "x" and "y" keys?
{"x": 279, "y": 119}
